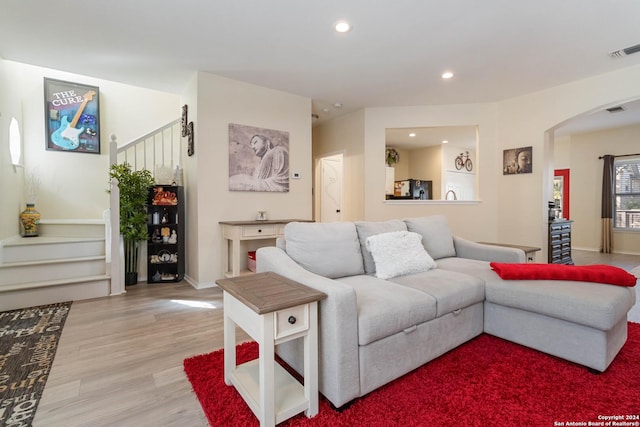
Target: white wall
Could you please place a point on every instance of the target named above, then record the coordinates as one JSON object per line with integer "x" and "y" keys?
{"x": 221, "y": 101}
{"x": 472, "y": 220}
{"x": 11, "y": 179}
{"x": 346, "y": 135}
{"x": 462, "y": 182}
{"x": 402, "y": 166}
{"x": 562, "y": 152}
{"x": 580, "y": 153}
{"x": 73, "y": 184}
{"x": 524, "y": 121}
{"x": 190, "y": 170}
{"x": 426, "y": 164}
{"x": 512, "y": 208}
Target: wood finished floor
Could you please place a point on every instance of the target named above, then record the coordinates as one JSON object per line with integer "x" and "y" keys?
{"x": 119, "y": 361}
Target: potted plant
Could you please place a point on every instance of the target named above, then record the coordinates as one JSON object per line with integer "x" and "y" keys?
{"x": 391, "y": 156}
{"x": 134, "y": 190}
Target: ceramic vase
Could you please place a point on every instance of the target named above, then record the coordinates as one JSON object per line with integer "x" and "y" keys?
{"x": 29, "y": 221}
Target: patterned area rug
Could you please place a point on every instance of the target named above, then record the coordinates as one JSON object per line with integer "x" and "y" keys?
{"x": 28, "y": 342}
{"x": 634, "y": 313}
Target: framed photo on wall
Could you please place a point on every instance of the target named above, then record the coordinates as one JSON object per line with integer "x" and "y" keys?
{"x": 517, "y": 160}
{"x": 258, "y": 159}
{"x": 72, "y": 116}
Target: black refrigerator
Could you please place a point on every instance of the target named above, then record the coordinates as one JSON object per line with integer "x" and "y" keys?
{"x": 413, "y": 189}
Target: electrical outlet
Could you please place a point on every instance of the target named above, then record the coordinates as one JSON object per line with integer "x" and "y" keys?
{"x": 296, "y": 175}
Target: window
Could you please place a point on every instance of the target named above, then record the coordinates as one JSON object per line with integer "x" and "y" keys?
{"x": 15, "y": 147}
{"x": 627, "y": 193}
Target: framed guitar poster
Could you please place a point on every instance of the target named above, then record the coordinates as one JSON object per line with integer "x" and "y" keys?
{"x": 72, "y": 116}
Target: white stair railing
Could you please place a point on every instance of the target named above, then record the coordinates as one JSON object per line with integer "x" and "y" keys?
{"x": 160, "y": 148}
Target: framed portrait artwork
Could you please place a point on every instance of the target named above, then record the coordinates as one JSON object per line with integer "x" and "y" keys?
{"x": 517, "y": 160}
{"x": 72, "y": 116}
{"x": 258, "y": 159}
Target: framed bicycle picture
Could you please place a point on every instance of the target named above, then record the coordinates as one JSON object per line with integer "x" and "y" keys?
{"x": 72, "y": 116}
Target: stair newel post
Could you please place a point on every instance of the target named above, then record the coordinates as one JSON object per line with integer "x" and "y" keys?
{"x": 113, "y": 150}
{"x": 116, "y": 248}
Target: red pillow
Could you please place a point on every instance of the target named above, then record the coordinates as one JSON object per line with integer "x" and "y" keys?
{"x": 597, "y": 273}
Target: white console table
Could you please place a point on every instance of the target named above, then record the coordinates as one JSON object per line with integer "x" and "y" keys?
{"x": 271, "y": 309}
{"x": 233, "y": 232}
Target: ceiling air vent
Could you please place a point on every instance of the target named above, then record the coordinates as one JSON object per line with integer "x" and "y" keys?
{"x": 615, "y": 109}
{"x": 625, "y": 52}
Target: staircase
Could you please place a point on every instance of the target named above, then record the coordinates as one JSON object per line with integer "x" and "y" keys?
{"x": 73, "y": 260}
{"x": 66, "y": 262}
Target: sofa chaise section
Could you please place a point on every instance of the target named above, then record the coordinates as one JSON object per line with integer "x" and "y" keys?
{"x": 582, "y": 322}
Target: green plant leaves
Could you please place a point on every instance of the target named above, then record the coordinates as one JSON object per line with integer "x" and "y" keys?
{"x": 134, "y": 190}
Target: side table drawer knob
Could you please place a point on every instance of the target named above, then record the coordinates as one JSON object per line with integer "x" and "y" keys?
{"x": 291, "y": 321}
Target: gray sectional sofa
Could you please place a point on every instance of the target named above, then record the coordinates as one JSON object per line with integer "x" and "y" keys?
{"x": 373, "y": 330}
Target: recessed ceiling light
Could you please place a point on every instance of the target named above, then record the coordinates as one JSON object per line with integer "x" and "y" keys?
{"x": 337, "y": 105}
{"x": 412, "y": 135}
{"x": 343, "y": 27}
{"x": 447, "y": 75}
{"x": 445, "y": 142}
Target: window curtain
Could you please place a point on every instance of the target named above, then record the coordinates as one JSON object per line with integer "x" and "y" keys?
{"x": 608, "y": 183}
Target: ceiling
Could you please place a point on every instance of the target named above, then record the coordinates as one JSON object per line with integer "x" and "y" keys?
{"x": 463, "y": 137}
{"x": 393, "y": 56}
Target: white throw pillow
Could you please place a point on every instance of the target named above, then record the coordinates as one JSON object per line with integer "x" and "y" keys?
{"x": 371, "y": 228}
{"x": 399, "y": 253}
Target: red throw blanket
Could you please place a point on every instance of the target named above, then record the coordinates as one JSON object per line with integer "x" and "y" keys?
{"x": 585, "y": 273}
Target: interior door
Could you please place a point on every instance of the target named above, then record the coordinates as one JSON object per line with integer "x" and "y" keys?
{"x": 331, "y": 188}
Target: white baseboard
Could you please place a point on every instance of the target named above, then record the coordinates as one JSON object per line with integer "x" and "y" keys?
{"x": 598, "y": 250}
{"x": 199, "y": 285}
{"x": 574, "y": 248}
{"x": 97, "y": 287}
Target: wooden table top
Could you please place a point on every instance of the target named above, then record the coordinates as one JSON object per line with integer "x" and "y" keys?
{"x": 268, "y": 292}
{"x": 266, "y": 221}
{"x": 524, "y": 248}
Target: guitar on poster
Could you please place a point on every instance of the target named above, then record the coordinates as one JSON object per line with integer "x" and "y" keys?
{"x": 67, "y": 136}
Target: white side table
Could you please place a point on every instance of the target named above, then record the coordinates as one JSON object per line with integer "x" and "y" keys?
{"x": 235, "y": 232}
{"x": 272, "y": 310}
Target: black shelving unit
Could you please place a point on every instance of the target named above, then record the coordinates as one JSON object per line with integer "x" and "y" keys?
{"x": 559, "y": 249}
{"x": 166, "y": 244}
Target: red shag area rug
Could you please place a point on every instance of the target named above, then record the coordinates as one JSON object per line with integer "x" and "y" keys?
{"x": 485, "y": 382}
